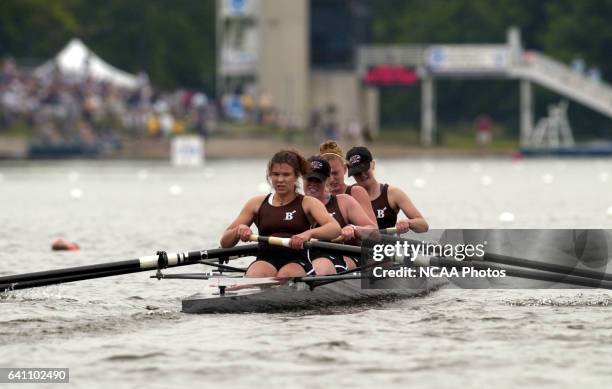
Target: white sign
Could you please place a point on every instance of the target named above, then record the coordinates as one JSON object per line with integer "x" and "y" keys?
{"x": 461, "y": 59}
{"x": 238, "y": 8}
{"x": 234, "y": 62}
{"x": 187, "y": 150}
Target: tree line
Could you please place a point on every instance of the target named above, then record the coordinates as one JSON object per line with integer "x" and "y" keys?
{"x": 174, "y": 42}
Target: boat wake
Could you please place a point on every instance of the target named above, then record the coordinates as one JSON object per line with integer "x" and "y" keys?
{"x": 580, "y": 299}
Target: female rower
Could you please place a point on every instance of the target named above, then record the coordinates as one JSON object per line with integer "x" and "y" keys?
{"x": 336, "y": 185}
{"x": 386, "y": 200}
{"x": 345, "y": 209}
{"x": 284, "y": 213}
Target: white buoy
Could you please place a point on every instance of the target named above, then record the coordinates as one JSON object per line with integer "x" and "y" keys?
{"x": 548, "y": 178}
{"x": 175, "y": 190}
{"x": 486, "y": 180}
{"x": 143, "y": 174}
{"x": 264, "y": 187}
{"x": 506, "y": 217}
{"x": 609, "y": 212}
{"x": 604, "y": 177}
{"x": 76, "y": 193}
{"x": 419, "y": 182}
{"x": 73, "y": 176}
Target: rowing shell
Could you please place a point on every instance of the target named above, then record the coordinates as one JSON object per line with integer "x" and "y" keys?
{"x": 292, "y": 295}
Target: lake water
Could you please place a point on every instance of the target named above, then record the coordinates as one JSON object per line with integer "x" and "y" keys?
{"x": 129, "y": 330}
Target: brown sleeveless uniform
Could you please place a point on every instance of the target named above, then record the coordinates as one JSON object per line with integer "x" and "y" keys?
{"x": 386, "y": 216}
{"x": 337, "y": 260}
{"x": 284, "y": 221}
{"x": 334, "y": 209}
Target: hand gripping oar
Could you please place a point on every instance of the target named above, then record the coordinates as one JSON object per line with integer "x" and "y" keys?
{"x": 160, "y": 261}
{"x": 311, "y": 244}
{"x": 390, "y": 230}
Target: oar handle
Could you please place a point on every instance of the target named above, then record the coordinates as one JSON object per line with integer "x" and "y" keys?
{"x": 271, "y": 240}
{"x": 390, "y": 230}
{"x": 276, "y": 241}
{"x": 343, "y": 249}
{"x": 339, "y": 239}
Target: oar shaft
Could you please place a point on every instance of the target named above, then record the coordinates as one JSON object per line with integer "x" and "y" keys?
{"x": 512, "y": 272}
{"x": 334, "y": 247}
{"x": 520, "y": 262}
{"x": 63, "y": 279}
{"x": 122, "y": 267}
{"x": 550, "y": 267}
{"x": 332, "y": 278}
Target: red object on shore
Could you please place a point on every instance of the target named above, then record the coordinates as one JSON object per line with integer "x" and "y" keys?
{"x": 63, "y": 245}
{"x": 390, "y": 75}
{"x": 517, "y": 156}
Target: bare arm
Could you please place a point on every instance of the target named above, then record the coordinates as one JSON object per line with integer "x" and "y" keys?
{"x": 362, "y": 197}
{"x": 328, "y": 226}
{"x": 355, "y": 213}
{"x": 359, "y": 222}
{"x": 240, "y": 225}
{"x": 399, "y": 199}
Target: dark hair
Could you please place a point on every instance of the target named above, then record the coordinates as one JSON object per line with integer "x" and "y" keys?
{"x": 291, "y": 158}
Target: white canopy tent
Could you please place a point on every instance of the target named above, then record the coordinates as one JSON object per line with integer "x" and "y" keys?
{"x": 78, "y": 60}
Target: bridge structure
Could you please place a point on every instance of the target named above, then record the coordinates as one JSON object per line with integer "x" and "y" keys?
{"x": 506, "y": 61}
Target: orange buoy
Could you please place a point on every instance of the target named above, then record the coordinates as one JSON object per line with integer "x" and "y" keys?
{"x": 63, "y": 245}
{"x": 516, "y": 156}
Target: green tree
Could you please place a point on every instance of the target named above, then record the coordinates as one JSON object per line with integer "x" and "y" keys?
{"x": 564, "y": 29}
{"x": 173, "y": 41}
{"x": 33, "y": 29}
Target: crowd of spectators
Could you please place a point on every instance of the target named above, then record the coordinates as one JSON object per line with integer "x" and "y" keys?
{"x": 55, "y": 108}
{"x": 58, "y": 108}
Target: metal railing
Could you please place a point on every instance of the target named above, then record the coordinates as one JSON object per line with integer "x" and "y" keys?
{"x": 390, "y": 55}
{"x": 562, "y": 79}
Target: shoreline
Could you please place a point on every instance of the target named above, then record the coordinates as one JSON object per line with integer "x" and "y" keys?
{"x": 12, "y": 148}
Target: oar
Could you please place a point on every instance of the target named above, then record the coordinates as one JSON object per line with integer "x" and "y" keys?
{"x": 238, "y": 283}
{"x": 311, "y": 244}
{"x": 512, "y": 272}
{"x": 518, "y": 262}
{"x": 550, "y": 267}
{"x": 160, "y": 261}
{"x": 390, "y": 230}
